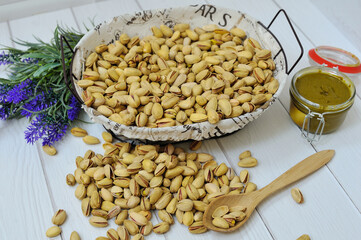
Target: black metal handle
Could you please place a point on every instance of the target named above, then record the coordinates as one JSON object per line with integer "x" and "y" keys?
{"x": 282, "y": 50}
{"x": 66, "y": 80}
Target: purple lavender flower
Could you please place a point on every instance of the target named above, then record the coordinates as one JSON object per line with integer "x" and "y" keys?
{"x": 73, "y": 112}
{"x": 40, "y": 102}
{"x": 4, "y": 93}
{"x": 54, "y": 132}
{"x": 5, "y": 59}
{"x": 35, "y": 130}
{"x": 29, "y": 60}
{"x": 45, "y": 128}
{"x": 20, "y": 92}
{"x": 4, "y": 112}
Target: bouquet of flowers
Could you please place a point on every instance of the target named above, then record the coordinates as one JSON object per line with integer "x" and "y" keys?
{"x": 35, "y": 88}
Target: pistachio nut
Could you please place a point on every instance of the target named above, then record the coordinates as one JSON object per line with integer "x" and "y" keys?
{"x": 220, "y": 222}
{"x": 185, "y": 205}
{"x": 220, "y": 211}
{"x": 248, "y": 162}
{"x": 74, "y": 236}
{"x": 165, "y": 216}
{"x": 112, "y": 234}
{"x": 139, "y": 219}
{"x": 90, "y": 140}
{"x": 161, "y": 228}
{"x": 146, "y": 229}
{"x": 59, "y": 217}
{"x": 131, "y": 227}
{"x": 304, "y": 237}
{"x": 297, "y": 195}
{"x": 50, "y": 150}
{"x": 123, "y": 233}
{"x": 70, "y": 179}
{"x": 197, "y": 227}
{"x": 53, "y": 231}
{"x": 98, "y": 221}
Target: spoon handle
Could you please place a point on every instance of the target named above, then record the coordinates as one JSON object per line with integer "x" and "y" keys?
{"x": 297, "y": 172}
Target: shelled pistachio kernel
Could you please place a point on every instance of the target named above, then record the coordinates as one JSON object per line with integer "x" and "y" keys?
{"x": 59, "y": 217}
{"x": 53, "y": 231}
{"x": 70, "y": 179}
{"x": 50, "y": 150}
{"x": 297, "y": 195}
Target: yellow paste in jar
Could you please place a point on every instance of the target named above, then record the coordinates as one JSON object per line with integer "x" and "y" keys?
{"x": 332, "y": 94}
{"x": 322, "y": 88}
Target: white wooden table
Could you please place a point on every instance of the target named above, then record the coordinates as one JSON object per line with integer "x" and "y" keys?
{"x": 33, "y": 184}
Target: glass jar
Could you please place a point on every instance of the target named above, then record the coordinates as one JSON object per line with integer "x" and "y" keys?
{"x": 332, "y": 57}
{"x": 311, "y": 113}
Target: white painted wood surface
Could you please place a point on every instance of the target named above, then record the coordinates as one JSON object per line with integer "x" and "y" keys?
{"x": 33, "y": 183}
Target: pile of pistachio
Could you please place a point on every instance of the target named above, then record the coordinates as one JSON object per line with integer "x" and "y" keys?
{"x": 178, "y": 76}
{"x": 225, "y": 217}
{"x": 127, "y": 182}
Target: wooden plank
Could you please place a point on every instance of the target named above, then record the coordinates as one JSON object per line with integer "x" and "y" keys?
{"x": 276, "y": 143}
{"x": 41, "y": 26}
{"x": 102, "y": 11}
{"x": 344, "y": 140}
{"x": 14, "y": 9}
{"x": 5, "y": 41}
{"x": 64, "y": 162}
{"x": 154, "y": 4}
{"x": 282, "y": 218}
{"x": 254, "y": 229}
{"x": 24, "y": 202}
{"x": 258, "y": 231}
{"x": 319, "y": 29}
{"x": 344, "y": 20}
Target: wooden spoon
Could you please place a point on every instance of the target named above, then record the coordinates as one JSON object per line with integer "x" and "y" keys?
{"x": 252, "y": 199}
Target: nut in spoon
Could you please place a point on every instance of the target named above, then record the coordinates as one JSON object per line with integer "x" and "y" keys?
{"x": 252, "y": 199}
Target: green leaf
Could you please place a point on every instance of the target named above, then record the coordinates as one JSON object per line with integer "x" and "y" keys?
{"x": 37, "y": 55}
{"x": 44, "y": 68}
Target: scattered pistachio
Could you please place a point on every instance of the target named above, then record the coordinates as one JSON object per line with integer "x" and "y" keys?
{"x": 70, "y": 179}
{"x": 78, "y": 132}
{"x": 127, "y": 182}
{"x": 304, "y": 237}
{"x": 297, "y": 195}
{"x": 59, "y": 217}
{"x": 53, "y": 231}
{"x": 50, "y": 150}
{"x": 90, "y": 140}
{"x": 74, "y": 236}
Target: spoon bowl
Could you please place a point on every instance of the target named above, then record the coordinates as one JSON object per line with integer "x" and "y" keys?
{"x": 244, "y": 199}
{"x": 251, "y": 200}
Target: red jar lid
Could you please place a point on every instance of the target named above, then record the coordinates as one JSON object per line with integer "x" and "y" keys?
{"x": 332, "y": 57}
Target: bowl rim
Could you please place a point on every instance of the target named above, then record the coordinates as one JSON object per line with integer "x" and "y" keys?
{"x": 177, "y": 129}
